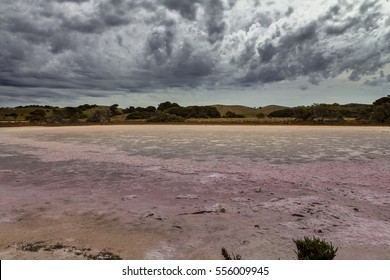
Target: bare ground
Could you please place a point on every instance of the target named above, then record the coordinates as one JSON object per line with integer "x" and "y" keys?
{"x": 69, "y": 200}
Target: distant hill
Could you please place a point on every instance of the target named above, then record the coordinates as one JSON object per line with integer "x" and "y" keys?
{"x": 247, "y": 111}
{"x": 271, "y": 108}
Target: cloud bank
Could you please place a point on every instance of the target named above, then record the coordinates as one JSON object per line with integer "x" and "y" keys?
{"x": 61, "y": 49}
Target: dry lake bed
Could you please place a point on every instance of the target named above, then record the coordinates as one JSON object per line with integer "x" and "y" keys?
{"x": 183, "y": 192}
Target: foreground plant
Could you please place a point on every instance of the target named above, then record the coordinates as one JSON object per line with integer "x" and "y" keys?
{"x": 227, "y": 256}
{"x": 314, "y": 249}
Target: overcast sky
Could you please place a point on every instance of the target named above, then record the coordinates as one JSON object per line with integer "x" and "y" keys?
{"x": 249, "y": 52}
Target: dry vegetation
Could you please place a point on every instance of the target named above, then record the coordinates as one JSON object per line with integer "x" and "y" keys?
{"x": 377, "y": 113}
{"x": 247, "y": 111}
{"x": 243, "y": 121}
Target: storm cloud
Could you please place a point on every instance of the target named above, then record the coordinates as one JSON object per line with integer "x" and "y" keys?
{"x": 73, "y": 48}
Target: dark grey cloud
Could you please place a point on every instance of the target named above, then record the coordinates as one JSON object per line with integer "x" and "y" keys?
{"x": 367, "y": 5}
{"x": 341, "y": 28}
{"x": 289, "y": 11}
{"x": 186, "y": 8}
{"x": 231, "y": 3}
{"x": 74, "y": 1}
{"x": 84, "y": 25}
{"x": 142, "y": 46}
{"x": 159, "y": 47}
{"x": 371, "y": 21}
{"x": 113, "y": 13}
{"x": 382, "y": 80}
{"x": 309, "y": 50}
{"x": 302, "y": 34}
{"x": 266, "y": 51}
{"x": 290, "y": 57}
{"x": 264, "y": 19}
{"x": 214, "y": 20}
{"x": 334, "y": 9}
{"x": 192, "y": 63}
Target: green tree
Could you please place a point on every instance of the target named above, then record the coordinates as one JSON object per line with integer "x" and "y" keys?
{"x": 166, "y": 105}
{"x": 150, "y": 109}
{"x": 230, "y": 114}
{"x": 381, "y": 110}
{"x": 283, "y": 113}
{"x": 212, "y": 112}
{"x": 130, "y": 109}
{"x": 114, "y": 110}
{"x": 302, "y": 112}
{"x": 381, "y": 101}
{"x": 86, "y": 107}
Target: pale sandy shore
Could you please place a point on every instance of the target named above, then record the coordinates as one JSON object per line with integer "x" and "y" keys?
{"x": 183, "y": 192}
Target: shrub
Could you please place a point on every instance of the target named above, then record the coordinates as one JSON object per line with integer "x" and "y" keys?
{"x": 38, "y": 115}
{"x": 150, "y": 109}
{"x": 70, "y": 113}
{"x": 86, "y": 107}
{"x": 55, "y": 118}
{"x": 227, "y": 256}
{"x": 178, "y": 111}
{"x": 260, "y": 115}
{"x": 284, "y": 113}
{"x": 164, "y": 117}
{"x": 230, "y": 114}
{"x": 381, "y": 113}
{"x": 314, "y": 249}
{"x": 130, "y": 109}
{"x": 100, "y": 116}
{"x": 137, "y": 115}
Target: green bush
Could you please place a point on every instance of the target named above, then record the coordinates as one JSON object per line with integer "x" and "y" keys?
{"x": 166, "y": 105}
{"x": 232, "y": 115}
{"x": 314, "y": 249}
{"x": 283, "y": 113}
{"x": 164, "y": 117}
{"x": 137, "y": 115}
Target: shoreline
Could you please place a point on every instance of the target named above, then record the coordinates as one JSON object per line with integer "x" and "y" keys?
{"x": 200, "y": 123}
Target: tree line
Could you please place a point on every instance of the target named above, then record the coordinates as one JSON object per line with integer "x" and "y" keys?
{"x": 377, "y": 112}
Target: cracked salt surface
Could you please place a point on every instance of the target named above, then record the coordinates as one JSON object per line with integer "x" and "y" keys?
{"x": 273, "y": 184}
